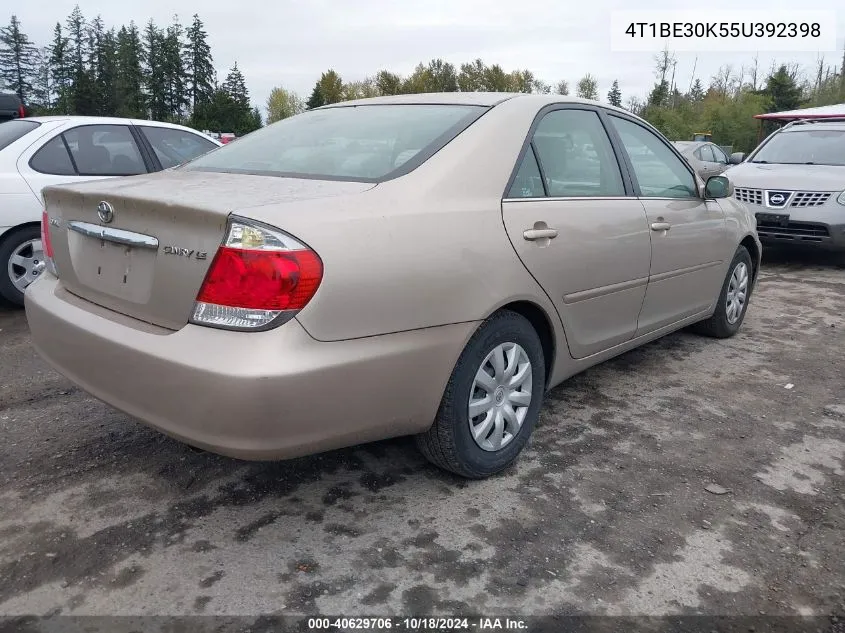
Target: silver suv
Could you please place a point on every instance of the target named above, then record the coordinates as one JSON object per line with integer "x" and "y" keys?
{"x": 793, "y": 183}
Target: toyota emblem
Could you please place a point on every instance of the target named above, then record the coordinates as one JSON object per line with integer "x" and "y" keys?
{"x": 105, "y": 212}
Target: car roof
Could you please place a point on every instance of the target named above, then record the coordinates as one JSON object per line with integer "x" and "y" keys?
{"x": 93, "y": 120}
{"x": 487, "y": 99}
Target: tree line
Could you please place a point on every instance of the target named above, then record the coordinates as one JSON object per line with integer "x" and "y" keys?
{"x": 168, "y": 74}
{"x": 723, "y": 105}
{"x": 162, "y": 73}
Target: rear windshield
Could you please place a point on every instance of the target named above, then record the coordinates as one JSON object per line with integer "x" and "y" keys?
{"x": 366, "y": 143}
{"x": 805, "y": 147}
{"x": 11, "y": 131}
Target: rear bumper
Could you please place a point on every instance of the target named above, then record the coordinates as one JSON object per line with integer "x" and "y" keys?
{"x": 256, "y": 395}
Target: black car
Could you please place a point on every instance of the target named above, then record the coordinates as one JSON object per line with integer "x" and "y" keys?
{"x": 11, "y": 107}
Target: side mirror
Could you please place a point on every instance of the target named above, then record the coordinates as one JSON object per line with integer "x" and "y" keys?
{"x": 718, "y": 187}
{"x": 736, "y": 158}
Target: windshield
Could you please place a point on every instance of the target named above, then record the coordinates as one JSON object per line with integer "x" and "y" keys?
{"x": 804, "y": 147}
{"x": 11, "y": 131}
{"x": 365, "y": 143}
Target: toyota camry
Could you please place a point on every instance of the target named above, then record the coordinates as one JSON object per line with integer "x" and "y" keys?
{"x": 424, "y": 265}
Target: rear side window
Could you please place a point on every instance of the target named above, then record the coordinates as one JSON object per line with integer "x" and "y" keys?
{"x": 173, "y": 147}
{"x": 53, "y": 158}
{"x": 105, "y": 150}
{"x": 367, "y": 143}
{"x": 11, "y": 131}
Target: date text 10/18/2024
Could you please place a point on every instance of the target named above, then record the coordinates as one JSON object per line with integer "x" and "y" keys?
{"x": 418, "y": 624}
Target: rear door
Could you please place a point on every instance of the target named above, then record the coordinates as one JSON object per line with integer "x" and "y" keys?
{"x": 81, "y": 152}
{"x": 578, "y": 228}
{"x": 688, "y": 233}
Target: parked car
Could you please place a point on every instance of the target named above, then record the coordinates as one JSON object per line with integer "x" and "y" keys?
{"x": 794, "y": 183}
{"x": 11, "y": 107}
{"x": 706, "y": 158}
{"x": 282, "y": 296}
{"x": 40, "y": 151}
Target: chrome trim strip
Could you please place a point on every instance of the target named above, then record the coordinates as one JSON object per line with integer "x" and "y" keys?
{"x": 118, "y": 236}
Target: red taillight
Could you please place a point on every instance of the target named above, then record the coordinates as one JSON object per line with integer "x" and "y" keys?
{"x": 21, "y": 111}
{"x": 263, "y": 280}
{"x": 259, "y": 275}
{"x": 46, "y": 244}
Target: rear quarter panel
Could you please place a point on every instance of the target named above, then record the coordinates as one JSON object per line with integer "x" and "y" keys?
{"x": 423, "y": 250}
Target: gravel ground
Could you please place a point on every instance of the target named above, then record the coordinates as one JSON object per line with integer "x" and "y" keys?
{"x": 607, "y": 512}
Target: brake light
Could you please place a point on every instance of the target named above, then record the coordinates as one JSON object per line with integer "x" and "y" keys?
{"x": 260, "y": 276}
{"x": 21, "y": 111}
{"x": 47, "y": 243}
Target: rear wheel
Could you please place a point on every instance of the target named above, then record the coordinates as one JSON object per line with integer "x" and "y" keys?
{"x": 492, "y": 400}
{"x": 733, "y": 299}
{"x": 21, "y": 262}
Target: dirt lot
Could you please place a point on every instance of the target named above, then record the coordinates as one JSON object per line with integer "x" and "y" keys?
{"x": 606, "y": 513}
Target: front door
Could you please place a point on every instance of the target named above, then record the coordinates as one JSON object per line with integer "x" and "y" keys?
{"x": 688, "y": 233}
{"x": 583, "y": 237}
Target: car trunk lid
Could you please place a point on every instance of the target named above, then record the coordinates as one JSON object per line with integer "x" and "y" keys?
{"x": 149, "y": 259}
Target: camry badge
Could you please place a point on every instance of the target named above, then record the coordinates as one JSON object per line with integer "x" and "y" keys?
{"x": 105, "y": 212}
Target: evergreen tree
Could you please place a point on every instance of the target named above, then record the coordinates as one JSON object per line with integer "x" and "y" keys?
{"x": 562, "y": 88}
{"x": 696, "y": 93}
{"x": 130, "y": 79}
{"x": 316, "y": 99}
{"x": 103, "y": 68}
{"x": 82, "y": 94}
{"x": 42, "y": 84}
{"x": 783, "y": 91}
{"x": 177, "y": 97}
{"x": 155, "y": 73}
{"x": 614, "y": 96}
{"x": 18, "y": 59}
{"x": 235, "y": 86}
{"x": 60, "y": 70}
{"x": 199, "y": 68}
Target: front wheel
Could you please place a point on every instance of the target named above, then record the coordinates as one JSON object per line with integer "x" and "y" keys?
{"x": 733, "y": 299}
{"x": 21, "y": 262}
{"x": 492, "y": 400}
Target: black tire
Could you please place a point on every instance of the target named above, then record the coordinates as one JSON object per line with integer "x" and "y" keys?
{"x": 8, "y": 243}
{"x": 449, "y": 442}
{"x": 718, "y": 325}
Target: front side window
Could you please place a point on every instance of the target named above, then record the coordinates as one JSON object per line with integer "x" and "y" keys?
{"x": 659, "y": 171}
{"x": 807, "y": 146}
{"x": 362, "y": 143}
{"x": 576, "y": 155}
{"x": 174, "y": 146}
{"x": 104, "y": 150}
{"x": 706, "y": 154}
{"x": 720, "y": 156}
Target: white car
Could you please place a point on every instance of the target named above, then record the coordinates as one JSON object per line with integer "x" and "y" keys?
{"x": 40, "y": 151}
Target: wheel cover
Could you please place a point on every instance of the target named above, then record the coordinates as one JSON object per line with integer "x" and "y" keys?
{"x": 737, "y": 293}
{"x": 26, "y": 264}
{"x": 500, "y": 396}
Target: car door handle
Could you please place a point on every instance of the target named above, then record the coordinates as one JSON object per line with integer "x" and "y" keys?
{"x": 660, "y": 226}
{"x": 539, "y": 234}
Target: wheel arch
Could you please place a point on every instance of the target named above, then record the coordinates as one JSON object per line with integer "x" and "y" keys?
{"x": 754, "y": 250}
{"x": 542, "y": 324}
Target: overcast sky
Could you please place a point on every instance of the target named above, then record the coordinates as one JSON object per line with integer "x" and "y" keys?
{"x": 290, "y": 43}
